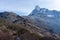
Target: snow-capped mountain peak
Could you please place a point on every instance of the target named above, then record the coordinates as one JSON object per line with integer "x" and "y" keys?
{"x": 37, "y": 8}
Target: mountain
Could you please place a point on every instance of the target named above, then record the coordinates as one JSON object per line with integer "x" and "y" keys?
{"x": 45, "y": 12}
{"x": 45, "y": 18}
{"x": 24, "y": 28}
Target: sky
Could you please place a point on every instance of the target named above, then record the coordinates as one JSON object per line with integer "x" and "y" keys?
{"x": 26, "y": 6}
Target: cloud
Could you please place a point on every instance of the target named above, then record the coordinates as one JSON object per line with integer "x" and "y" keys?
{"x": 50, "y": 4}
{"x": 56, "y": 4}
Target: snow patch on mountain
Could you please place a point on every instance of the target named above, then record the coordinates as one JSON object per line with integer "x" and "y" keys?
{"x": 50, "y": 15}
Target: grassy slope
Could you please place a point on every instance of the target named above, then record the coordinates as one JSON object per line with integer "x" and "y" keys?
{"x": 10, "y": 31}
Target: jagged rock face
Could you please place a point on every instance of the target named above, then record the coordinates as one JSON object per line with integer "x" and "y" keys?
{"x": 46, "y": 18}
{"x": 45, "y": 12}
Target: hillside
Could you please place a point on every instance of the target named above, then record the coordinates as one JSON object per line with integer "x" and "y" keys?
{"x": 15, "y": 27}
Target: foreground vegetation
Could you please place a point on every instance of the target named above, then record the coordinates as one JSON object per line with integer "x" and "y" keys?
{"x": 11, "y": 31}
